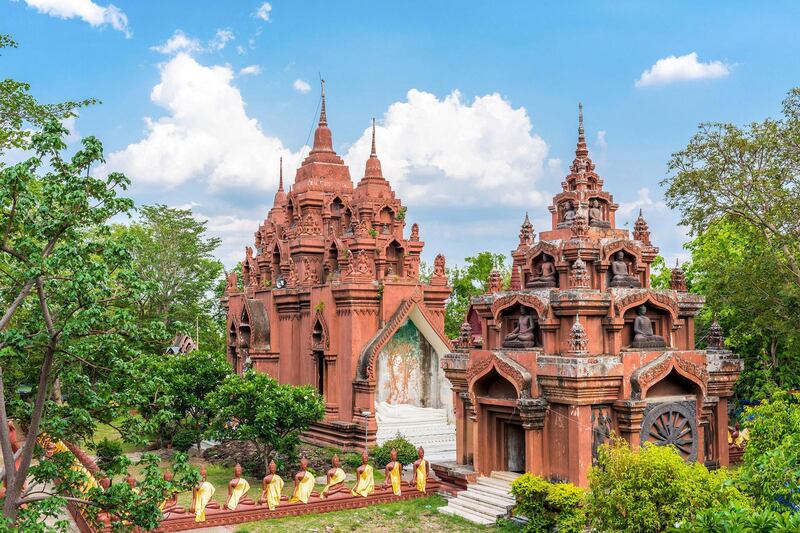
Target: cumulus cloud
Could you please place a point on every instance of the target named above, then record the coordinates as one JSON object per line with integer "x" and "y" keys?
{"x": 263, "y": 11}
{"x": 86, "y": 10}
{"x": 681, "y": 68}
{"x": 301, "y": 86}
{"x": 179, "y": 42}
{"x": 451, "y": 152}
{"x": 205, "y": 135}
{"x": 250, "y": 70}
{"x": 628, "y": 210}
{"x": 601, "y": 140}
{"x": 235, "y": 231}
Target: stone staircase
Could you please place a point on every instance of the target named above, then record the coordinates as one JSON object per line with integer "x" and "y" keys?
{"x": 485, "y": 500}
{"x": 424, "y": 427}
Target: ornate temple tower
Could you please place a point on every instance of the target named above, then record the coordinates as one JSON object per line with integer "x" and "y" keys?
{"x": 330, "y": 296}
{"x": 580, "y": 345}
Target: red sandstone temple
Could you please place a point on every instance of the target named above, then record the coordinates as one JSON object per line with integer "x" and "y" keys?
{"x": 580, "y": 345}
{"x": 330, "y": 296}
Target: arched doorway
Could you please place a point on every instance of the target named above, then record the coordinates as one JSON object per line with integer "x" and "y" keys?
{"x": 500, "y": 425}
{"x": 670, "y": 418}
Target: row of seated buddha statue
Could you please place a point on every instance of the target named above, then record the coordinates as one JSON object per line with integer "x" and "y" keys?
{"x": 545, "y": 275}
{"x": 595, "y": 213}
{"x": 304, "y": 481}
{"x": 524, "y": 334}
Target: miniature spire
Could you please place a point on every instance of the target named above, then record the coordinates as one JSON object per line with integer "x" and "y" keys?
{"x": 280, "y": 174}
{"x": 715, "y": 337}
{"x": 526, "y": 231}
{"x": 280, "y": 195}
{"x": 641, "y": 231}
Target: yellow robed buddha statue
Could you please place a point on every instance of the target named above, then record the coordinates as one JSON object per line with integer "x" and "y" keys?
{"x": 303, "y": 483}
{"x": 237, "y": 490}
{"x": 335, "y": 477}
{"x": 394, "y": 472}
{"x": 201, "y": 498}
{"x": 272, "y": 487}
{"x": 421, "y": 469}
{"x": 365, "y": 481}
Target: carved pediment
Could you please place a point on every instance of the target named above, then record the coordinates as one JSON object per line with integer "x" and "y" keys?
{"x": 656, "y": 370}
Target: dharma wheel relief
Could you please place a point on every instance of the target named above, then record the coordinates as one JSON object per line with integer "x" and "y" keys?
{"x": 598, "y": 350}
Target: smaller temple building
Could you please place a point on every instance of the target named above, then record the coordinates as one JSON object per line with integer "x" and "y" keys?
{"x": 330, "y": 296}
{"x": 580, "y": 345}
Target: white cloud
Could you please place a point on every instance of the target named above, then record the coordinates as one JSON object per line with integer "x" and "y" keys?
{"x": 630, "y": 210}
{"x": 206, "y": 135}
{"x": 681, "y": 68}
{"x": 250, "y": 70}
{"x": 179, "y": 42}
{"x": 220, "y": 39}
{"x": 301, "y": 86}
{"x": 86, "y": 10}
{"x": 601, "y": 140}
{"x": 446, "y": 151}
{"x": 240, "y": 50}
{"x": 263, "y": 11}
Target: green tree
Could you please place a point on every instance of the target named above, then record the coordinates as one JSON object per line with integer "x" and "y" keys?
{"x": 174, "y": 396}
{"x": 256, "y": 408}
{"x": 65, "y": 329}
{"x": 173, "y": 255}
{"x": 737, "y": 190}
{"x": 469, "y": 281}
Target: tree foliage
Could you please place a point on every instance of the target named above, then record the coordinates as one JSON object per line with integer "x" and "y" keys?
{"x": 173, "y": 256}
{"x": 256, "y": 408}
{"x": 469, "y": 281}
{"x": 652, "y": 489}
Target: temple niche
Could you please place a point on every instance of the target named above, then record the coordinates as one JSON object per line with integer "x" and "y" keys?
{"x": 580, "y": 346}
{"x": 335, "y": 272}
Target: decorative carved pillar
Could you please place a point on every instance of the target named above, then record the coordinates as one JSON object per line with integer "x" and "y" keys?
{"x": 630, "y": 414}
{"x": 331, "y": 387}
{"x": 708, "y": 430}
{"x": 533, "y": 412}
{"x": 455, "y": 370}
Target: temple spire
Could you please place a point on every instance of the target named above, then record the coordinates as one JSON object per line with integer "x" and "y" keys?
{"x": 323, "y": 116}
{"x": 280, "y": 174}
{"x": 374, "y": 152}
{"x": 581, "y": 150}
{"x": 373, "y": 167}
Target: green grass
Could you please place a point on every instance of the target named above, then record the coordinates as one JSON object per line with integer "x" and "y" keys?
{"x": 105, "y": 431}
{"x": 411, "y": 515}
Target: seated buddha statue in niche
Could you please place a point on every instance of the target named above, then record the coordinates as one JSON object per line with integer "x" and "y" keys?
{"x": 643, "y": 336}
{"x": 547, "y": 275}
{"x": 620, "y": 277}
{"x": 596, "y": 214}
{"x": 524, "y": 334}
{"x": 569, "y": 211}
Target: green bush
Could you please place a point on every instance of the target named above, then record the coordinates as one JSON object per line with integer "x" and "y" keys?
{"x": 352, "y": 459}
{"x": 770, "y": 472}
{"x": 184, "y": 439}
{"x": 549, "y": 506}
{"x": 406, "y": 452}
{"x": 737, "y": 519}
{"x": 652, "y": 489}
{"x": 109, "y": 457}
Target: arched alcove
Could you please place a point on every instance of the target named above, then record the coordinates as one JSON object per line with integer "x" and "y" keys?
{"x": 394, "y": 259}
{"x": 519, "y": 327}
{"x": 494, "y": 385}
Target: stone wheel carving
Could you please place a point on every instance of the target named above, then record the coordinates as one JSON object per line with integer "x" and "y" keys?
{"x": 672, "y": 424}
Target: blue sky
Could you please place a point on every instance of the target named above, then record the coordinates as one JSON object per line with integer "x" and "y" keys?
{"x": 193, "y": 125}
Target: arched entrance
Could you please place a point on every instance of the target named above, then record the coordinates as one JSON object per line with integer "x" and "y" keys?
{"x": 500, "y": 424}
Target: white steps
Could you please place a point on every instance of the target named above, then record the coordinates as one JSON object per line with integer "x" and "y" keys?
{"x": 484, "y": 501}
{"x": 421, "y": 426}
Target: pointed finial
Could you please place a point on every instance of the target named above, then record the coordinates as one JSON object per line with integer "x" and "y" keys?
{"x": 374, "y": 153}
{"x": 280, "y": 174}
{"x": 640, "y": 212}
{"x": 323, "y": 117}
{"x": 581, "y": 150}
{"x": 676, "y": 263}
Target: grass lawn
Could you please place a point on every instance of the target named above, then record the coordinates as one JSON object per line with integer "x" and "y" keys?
{"x": 104, "y": 431}
{"x": 411, "y": 515}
